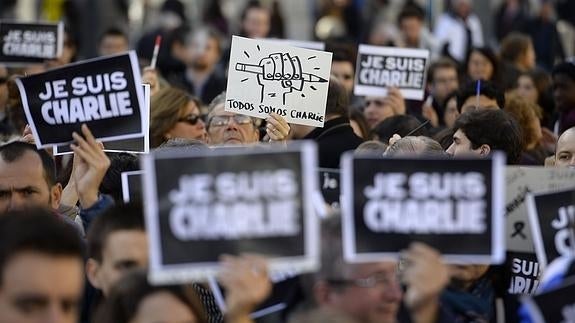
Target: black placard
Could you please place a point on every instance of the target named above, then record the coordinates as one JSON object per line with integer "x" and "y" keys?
{"x": 105, "y": 93}
{"x": 554, "y": 306}
{"x": 330, "y": 186}
{"x": 524, "y": 272}
{"x": 551, "y": 218}
{"x": 230, "y": 201}
{"x": 26, "y": 43}
{"x": 455, "y": 206}
{"x": 132, "y": 186}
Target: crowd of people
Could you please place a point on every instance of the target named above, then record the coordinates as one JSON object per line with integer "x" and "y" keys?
{"x": 72, "y": 251}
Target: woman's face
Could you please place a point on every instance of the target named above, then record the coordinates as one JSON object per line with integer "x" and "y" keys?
{"x": 163, "y": 307}
{"x": 450, "y": 114}
{"x": 189, "y": 125}
{"x": 526, "y": 89}
{"x": 479, "y": 67}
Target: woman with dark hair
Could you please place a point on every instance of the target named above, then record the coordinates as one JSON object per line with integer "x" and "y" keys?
{"x": 482, "y": 64}
{"x": 535, "y": 86}
{"x": 359, "y": 124}
{"x": 175, "y": 114}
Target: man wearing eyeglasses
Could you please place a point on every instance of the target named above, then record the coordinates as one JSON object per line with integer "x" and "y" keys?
{"x": 372, "y": 292}
{"x": 228, "y": 128}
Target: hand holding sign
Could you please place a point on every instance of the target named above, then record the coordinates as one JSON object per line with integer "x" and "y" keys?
{"x": 425, "y": 275}
{"x": 247, "y": 284}
{"x": 277, "y": 128}
{"x": 91, "y": 168}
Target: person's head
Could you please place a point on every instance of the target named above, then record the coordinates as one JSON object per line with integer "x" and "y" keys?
{"x": 490, "y": 97}
{"x": 203, "y": 49}
{"x": 368, "y": 292}
{"x": 376, "y": 110}
{"x": 564, "y": 85}
{"x": 482, "y": 64}
{"x": 112, "y": 182}
{"x": 113, "y": 41}
{"x": 343, "y": 68}
{"x": 175, "y": 114}
{"x": 450, "y": 112}
{"x": 117, "y": 244}
{"x": 527, "y": 115}
{"x": 526, "y": 88}
{"x": 371, "y": 147}
{"x": 358, "y": 124}
{"x": 27, "y": 178}
{"x": 400, "y": 124}
{"x": 517, "y": 49}
{"x": 410, "y": 22}
{"x": 565, "y": 151}
{"x": 135, "y": 300}
{"x": 442, "y": 78}
{"x": 41, "y": 268}
{"x": 228, "y": 128}
{"x": 481, "y": 132}
{"x": 415, "y": 145}
{"x": 255, "y": 20}
{"x": 461, "y": 8}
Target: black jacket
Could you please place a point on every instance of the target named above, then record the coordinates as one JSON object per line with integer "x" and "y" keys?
{"x": 335, "y": 138}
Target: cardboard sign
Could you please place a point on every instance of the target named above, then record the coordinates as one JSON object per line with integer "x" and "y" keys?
{"x": 453, "y": 205}
{"x": 330, "y": 186}
{"x": 105, "y": 94}
{"x": 139, "y": 145}
{"x": 525, "y": 273}
{"x": 520, "y": 181}
{"x": 132, "y": 186}
{"x": 551, "y": 216}
{"x": 25, "y": 43}
{"x": 379, "y": 68}
{"x": 232, "y": 201}
{"x": 554, "y": 306}
{"x": 265, "y": 77}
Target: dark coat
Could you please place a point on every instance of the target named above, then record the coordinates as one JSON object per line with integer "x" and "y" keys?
{"x": 335, "y": 138}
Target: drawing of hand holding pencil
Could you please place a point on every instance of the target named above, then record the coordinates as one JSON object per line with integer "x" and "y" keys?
{"x": 279, "y": 74}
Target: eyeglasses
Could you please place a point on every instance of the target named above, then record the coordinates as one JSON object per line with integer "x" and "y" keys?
{"x": 383, "y": 279}
{"x": 191, "y": 119}
{"x": 220, "y": 121}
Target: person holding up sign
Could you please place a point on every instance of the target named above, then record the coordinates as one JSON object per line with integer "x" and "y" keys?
{"x": 228, "y": 128}
{"x": 378, "y": 108}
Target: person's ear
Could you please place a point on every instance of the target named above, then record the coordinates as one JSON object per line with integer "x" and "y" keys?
{"x": 93, "y": 273}
{"x": 56, "y": 196}
{"x": 484, "y": 150}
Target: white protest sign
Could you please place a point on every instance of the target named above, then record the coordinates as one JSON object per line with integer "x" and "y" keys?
{"x": 315, "y": 45}
{"x": 379, "y": 68}
{"x": 265, "y": 77}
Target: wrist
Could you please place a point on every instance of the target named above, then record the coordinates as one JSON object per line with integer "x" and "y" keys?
{"x": 88, "y": 199}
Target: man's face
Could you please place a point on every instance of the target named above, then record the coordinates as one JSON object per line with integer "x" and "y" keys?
{"x": 376, "y": 110}
{"x": 204, "y": 52}
{"x": 564, "y": 92}
{"x": 256, "y": 23}
{"x": 113, "y": 44}
{"x": 22, "y": 184}
{"x": 445, "y": 81}
{"x": 343, "y": 72}
{"x": 461, "y": 146}
{"x": 411, "y": 29}
{"x": 225, "y": 128}
{"x": 123, "y": 251}
{"x": 565, "y": 154}
{"x": 472, "y": 103}
{"x": 38, "y": 288}
{"x": 450, "y": 114}
{"x": 375, "y": 304}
